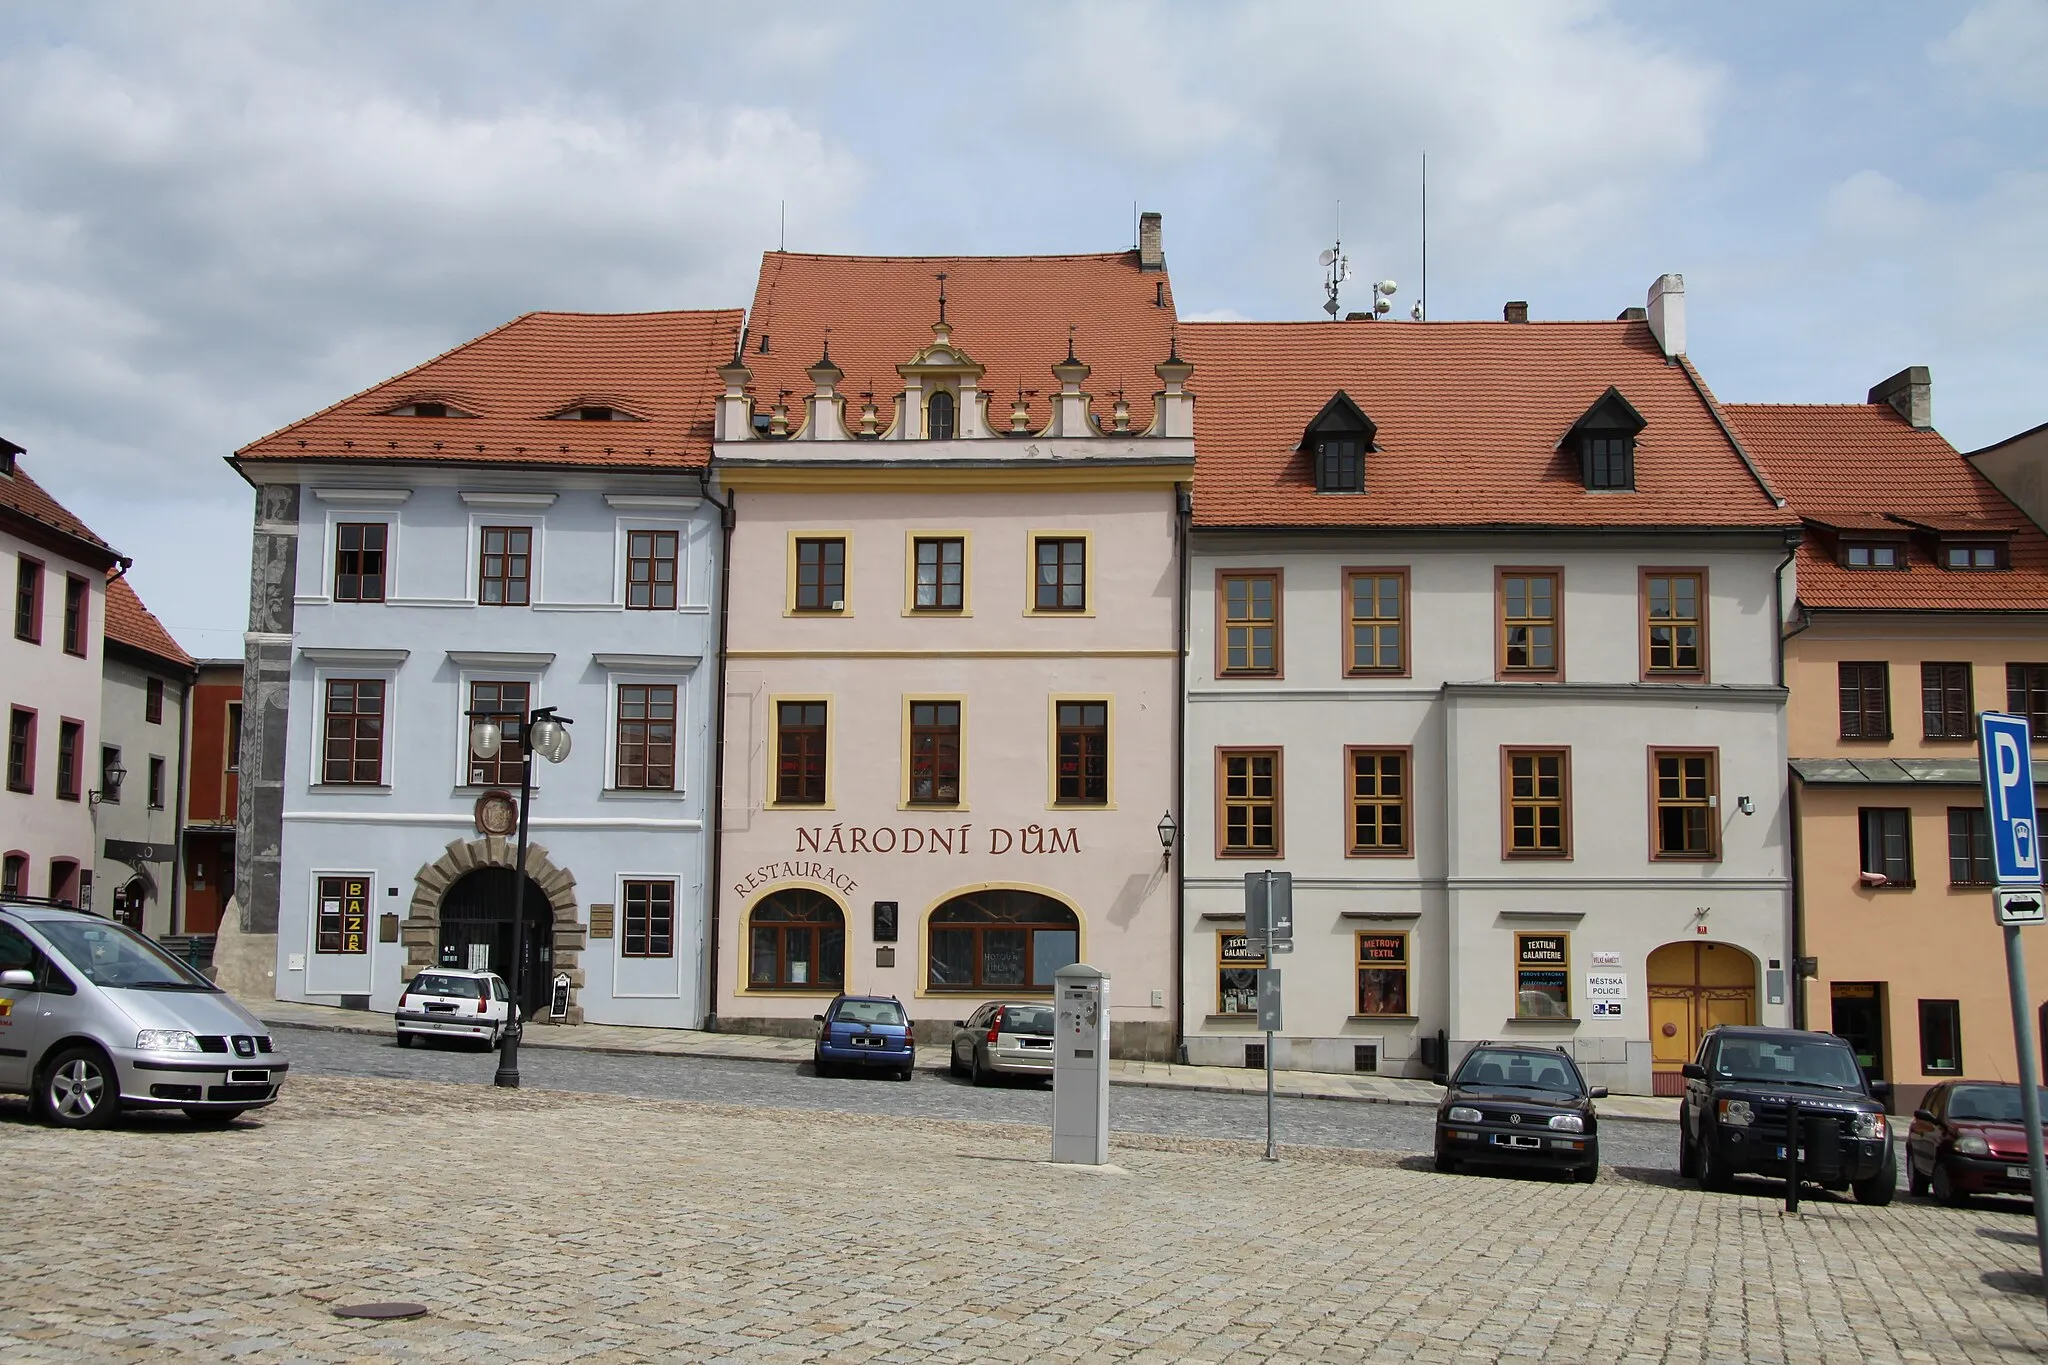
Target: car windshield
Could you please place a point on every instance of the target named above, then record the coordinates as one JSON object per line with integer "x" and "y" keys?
{"x": 1517, "y": 1071}
{"x": 1989, "y": 1103}
{"x": 1031, "y": 1020}
{"x": 1788, "y": 1061}
{"x": 440, "y": 983}
{"x": 869, "y": 1012}
{"x": 110, "y": 954}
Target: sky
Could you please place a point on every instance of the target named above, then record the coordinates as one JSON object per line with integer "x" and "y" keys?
{"x": 217, "y": 217}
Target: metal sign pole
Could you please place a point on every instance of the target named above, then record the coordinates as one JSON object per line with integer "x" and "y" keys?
{"x": 2030, "y": 1090}
{"x": 1272, "y": 1153}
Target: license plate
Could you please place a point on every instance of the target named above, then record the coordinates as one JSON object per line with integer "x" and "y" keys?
{"x": 263, "y": 1078}
{"x": 2016, "y": 1173}
{"x": 1781, "y": 1154}
{"x": 1038, "y": 1042}
{"x": 1516, "y": 1140}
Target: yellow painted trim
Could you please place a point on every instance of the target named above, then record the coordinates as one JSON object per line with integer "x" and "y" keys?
{"x": 924, "y": 935}
{"x": 1052, "y": 749}
{"x": 903, "y": 801}
{"x": 742, "y": 951}
{"x": 802, "y": 476}
{"x": 910, "y": 539}
{"x": 953, "y": 653}
{"x": 768, "y": 801}
{"x": 789, "y": 607}
{"x": 1088, "y": 567}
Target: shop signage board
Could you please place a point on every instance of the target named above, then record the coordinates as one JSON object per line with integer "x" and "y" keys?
{"x": 1606, "y": 992}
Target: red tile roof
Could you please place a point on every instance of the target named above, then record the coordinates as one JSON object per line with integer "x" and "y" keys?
{"x": 29, "y": 503}
{"x": 1860, "y": 466}
{"x": 130, "y": 623}
{"x": 1010, "y": 314}
{"x": 658, "y": 366}
{"x": 1469, "y": 417}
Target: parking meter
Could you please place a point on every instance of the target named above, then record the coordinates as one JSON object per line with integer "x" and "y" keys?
{"x": 1080, "y": 1066}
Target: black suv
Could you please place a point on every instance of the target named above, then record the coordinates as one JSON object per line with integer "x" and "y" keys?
{"x": 1520, "y": 1106}
{"x": 1735, "y": 1112}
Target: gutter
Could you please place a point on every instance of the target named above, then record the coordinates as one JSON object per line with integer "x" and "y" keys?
{"x": 1792, "y": 848}
{"x": 728, "y": 516}
{"x": 1182, "y": 527}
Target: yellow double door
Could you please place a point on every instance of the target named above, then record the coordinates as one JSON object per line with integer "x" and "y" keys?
{"x": 1694, "y": 987}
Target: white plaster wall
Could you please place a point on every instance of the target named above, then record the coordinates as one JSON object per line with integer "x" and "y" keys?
{"x": 57, "y": 686}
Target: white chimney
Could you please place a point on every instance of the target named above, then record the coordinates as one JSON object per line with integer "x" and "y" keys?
{"x": 1667, "y": 314}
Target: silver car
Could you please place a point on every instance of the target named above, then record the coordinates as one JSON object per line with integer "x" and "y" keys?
{"x": 1004, "y": 1038}
{"x": 95, "y": 1018}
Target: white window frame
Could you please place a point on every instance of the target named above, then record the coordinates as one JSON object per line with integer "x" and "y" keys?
{"x": 368, "y": 664}
{"x": 677, "y": 671}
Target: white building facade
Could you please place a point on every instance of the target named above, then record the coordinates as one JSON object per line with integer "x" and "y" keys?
{"x": 146, "y": 685}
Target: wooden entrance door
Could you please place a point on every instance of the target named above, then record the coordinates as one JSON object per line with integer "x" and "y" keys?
{"x": 1694, "y": 987}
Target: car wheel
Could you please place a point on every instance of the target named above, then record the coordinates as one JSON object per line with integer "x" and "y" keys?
{"x": 1688, "y": 1163}
{"x": 79, "y": 1089}
{"x": 820, "y": 1066}
{"x": 1944, "y": 1188}
{"x": 982, "y": 1075}
{"x": 906, "y": 1073}
{"x": 1879, "y": 1189}
{"x": 1587, "y": 1173}
{"x": 1916, "y": 1183}
{"x": 953, "y": 1065}
{"x": 1445, "y": 1162}
{"x": 213, "y": 1118}
{"x": 1714, "y": 1177}
{"x": 403, "y": 1038}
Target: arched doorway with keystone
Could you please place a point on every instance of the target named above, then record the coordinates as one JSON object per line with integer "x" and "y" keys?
{"x": 477, "y": 933}
{"x": 461, "y": 912}
{"x": 1694, "y": 986}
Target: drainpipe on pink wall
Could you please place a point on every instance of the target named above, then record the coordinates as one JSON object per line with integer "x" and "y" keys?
{"x": 728, "y": 516}
{"x": 1184, "y": 499}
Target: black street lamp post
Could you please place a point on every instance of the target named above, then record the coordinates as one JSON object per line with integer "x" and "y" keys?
{"x": 540, "y": 731}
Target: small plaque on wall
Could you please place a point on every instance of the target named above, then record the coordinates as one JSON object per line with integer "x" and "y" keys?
{"x": 387, "y": 928}
{"x": 885, "y": 955}
{"x": 600, "y": 921}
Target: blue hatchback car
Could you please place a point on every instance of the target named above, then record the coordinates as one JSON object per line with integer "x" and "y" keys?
{"x": 869, "y": 1032}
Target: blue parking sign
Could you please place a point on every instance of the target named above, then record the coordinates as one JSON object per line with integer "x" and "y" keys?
{"x": 2005, "y": 751}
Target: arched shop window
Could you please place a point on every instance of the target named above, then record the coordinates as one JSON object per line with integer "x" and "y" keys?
{"x": 1006, "y": 938}
{"x": 796, "y": 942}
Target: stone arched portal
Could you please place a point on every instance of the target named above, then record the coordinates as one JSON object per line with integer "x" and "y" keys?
{"x": 421, "y": 930}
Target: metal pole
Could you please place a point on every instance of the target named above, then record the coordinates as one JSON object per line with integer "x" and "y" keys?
{"x": 508, "y": 1051}
{"x": 1272, "y": 1152}
{"x": 2030, "y": 1090}
{"x": 1792, "y": 1156}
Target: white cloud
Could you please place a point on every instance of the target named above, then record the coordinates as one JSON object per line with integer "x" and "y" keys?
{"x": 2000, "y": 51}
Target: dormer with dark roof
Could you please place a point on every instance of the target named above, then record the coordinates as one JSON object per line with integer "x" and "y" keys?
{"x": 1336, "y": 441}
{"x": 1604, "y": 441}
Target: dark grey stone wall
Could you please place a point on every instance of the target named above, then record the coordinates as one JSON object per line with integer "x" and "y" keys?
{"x": 266, "y": 692}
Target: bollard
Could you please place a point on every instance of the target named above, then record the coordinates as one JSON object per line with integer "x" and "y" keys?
{"x": 1792, "y": 1156}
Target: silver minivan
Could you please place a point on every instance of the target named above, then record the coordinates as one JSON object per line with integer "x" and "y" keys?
{"x": 95, "y": 1018}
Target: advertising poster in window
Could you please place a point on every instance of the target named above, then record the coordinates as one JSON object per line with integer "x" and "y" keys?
{"x": 1542, "y": 988}
{"x": 1237, "y": 974}
{"x": 1383, "y": 974}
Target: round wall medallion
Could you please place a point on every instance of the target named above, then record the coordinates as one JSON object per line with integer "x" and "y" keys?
{"x": 496, "y": 813}
{"x": 1671, "y": 1030}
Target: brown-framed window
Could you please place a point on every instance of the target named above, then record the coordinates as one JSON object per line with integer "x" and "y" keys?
{"x": 646, "y": 740}
{"x": 1674, "y": 624}
{"x": 1238, "y": 959}
{"x": 1249, "y": 631}
{"x": 1887, "y": 835}
{"x": 359, "y": 560}
{"x": 14, "y": 875}
{"x": 800, "y": 754}
{"x": 234, "y": 737}
{"x": 505, "y": 568}
{"x": 1013, "y": 939}
{"x": 70, "y": 740}
{"x": 1866, "y": 697}
{"x": 821, "y": 573}
{"x": 1945, "y": 701}
{"x": 1941, "y": 1037}
{"x": 935, "y": 753}
{"x": 1685, "y": 799}
{"x": 1543, "y": 965}
{"x": 342, "y": 917}
{"x": 941, "y": 563}
{"x": 353, "y": 752}
{"x": 796, "y": 941}
{"x": 28, "y": 600}
{"x": 1250, "y": 809}
{"x": 650, "y": 919}
{"x": 77, "y": 614}
{"x": 1383, "y": 974}
{"x": 507, "y": 703}
{"x": 1973, "y": 556}
{"x": 1531, "y": 624}
{"x": 1873, "y": 555}
{"x": 651, "y": 572}
{"x": 1539, "y": 802}
{"x": 1083, "y": 753}
{"x": 21, "y": 749}
{"x": 2026, "y": 694}
{"x": 1969, "y": 847}
{"x": 1378, "y": 801}
{"x": 153, "y": 701}
{"x": 1376, "y": 621}
{"x": 156, "y": 784}
{"x": 1060, "y": 579}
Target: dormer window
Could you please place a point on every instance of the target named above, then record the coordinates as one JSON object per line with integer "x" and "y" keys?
{"x": 1340, "y": 466}
{"x": 1610, "y": 462}
{"x": 595, "y": 412}
{"x": 1957, "y": 555}
{"x": 939, "y": 416}
{"x": 8, "y": 450}
{"x": 1863, "y": 554}
{"x": 1604, "y": 439}
{"x": 1337, "y": 442}
{"x": 426, "y": 407}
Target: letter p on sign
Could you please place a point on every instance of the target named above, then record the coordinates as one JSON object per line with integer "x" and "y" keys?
{"x": 2005, "y": 749}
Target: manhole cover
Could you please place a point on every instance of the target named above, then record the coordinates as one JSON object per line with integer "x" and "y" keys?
{"x": 381, "y": 1310}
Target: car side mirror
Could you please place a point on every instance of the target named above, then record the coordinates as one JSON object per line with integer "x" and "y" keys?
{"x": 1880, "y": 1090}
{"x": 818, "y": 1018}
{"x": 1598, "y": 1092}
{"x": 14, "y": 976}
{"x": 1924, "y": 1115}
{"x": 959, "y": 1023}
{"x": 1441, "y": 1078}
{"x": 1693, "y": 1071}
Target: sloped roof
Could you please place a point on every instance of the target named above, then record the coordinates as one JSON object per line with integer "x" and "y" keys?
{"x": 1857, "y": 466}
{"x": 1469, "y": 415}
{"x": 132, "y": 624}
{"x": 28, "y": 501}
{"x": 1010, "y": 314}
{"x": 659, "y": 366}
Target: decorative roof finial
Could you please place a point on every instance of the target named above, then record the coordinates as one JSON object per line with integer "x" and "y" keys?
{"x": 1070, "y": 344}
{"x": 1172, "y": 346}
{"x": 826, "y": 359}
{"x": 941, "y": 278}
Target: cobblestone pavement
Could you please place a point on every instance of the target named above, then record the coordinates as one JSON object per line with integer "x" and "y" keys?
{"x": 544, "y": 1226}
{"x": 1182, "y": 1113}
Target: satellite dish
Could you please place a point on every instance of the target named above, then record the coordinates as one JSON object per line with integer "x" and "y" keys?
{"x": 1344, "y": 272}
{"x": 1416, "y": 312}
{"x": 1387, "y": 287}
{"x": 1327, "y": 257}
{"x": 1381, "y": 306}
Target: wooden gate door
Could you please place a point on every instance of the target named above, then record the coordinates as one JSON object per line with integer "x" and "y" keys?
{"x": 1694, "y": 987}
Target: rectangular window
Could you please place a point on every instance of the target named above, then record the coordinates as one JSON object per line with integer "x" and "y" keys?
{"x": 1529, "y": 611}
{"x": 353, "y": 751}
{"x": 1867, "y": 556}
{"x": 1866, "y": 693}
{"x": 1972, "y": 557}
{"x": 505, "y": 568}
{"x": 821, "y": 574}
{"x": 1340, "y": 465}
{"x": 800, "y": 753}
{"x": 342, "y": 919}
{"x": 14, "y": 875}
{"x": 234, "y": 737}
{"x": 1607, "y": 462}
{"x": 650, "y": 919}
{"x": 651, "y": 572}
{"x": 359, "y": 560}
{"x": 1250, "y": 628}
{"x": 77, "y": 614}
{"x": 1887, "y": 844}
{"x": 2026, "y": 694}
{"x": 935, "y": 753}
{"x": 1941, "y": 1037}
{"x": 70, "y": 738}
{"x": 646, "y": 740}
{"x": 110, "y": 759}
{"x": 1238, "y": 959}
{"x": 1686, "y": 803}
{"x": 1969, "y": 847}
{"x": 1538, "y": 785}
{"x": 1250, "y": 779}
{"x": 21, "y": 750}
{"x": 1061, "y": 580}
{"x": 1674, "y": 624}
{"x": 1945, "y": 701}
{"x": 1376, "y": 612}
{"x": 28, "y": 600}
{"x": 1379, "y": 801}
{"x": 1543, "y": 964}
{"x": 156, "y": 784}
{"x": 153, "y": 701}
{"x": 941, "y": 574}
{"x": 1383, "y": 974}
{"x": 506, "y": 703}
{"x": 1083, "y": 753}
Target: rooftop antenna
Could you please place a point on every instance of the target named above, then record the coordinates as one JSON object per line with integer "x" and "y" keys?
{"x": 1422, "y": 304}
{"x": 1336, "y": 267}
{"x": 782, "y": 229}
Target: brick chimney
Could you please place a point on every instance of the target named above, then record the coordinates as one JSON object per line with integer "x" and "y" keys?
{"x": 1515, "y": 310}
{"x": 1667, "y": 314}
{"x": 1911, "y": 394}
{"x": 1151, "y": 255}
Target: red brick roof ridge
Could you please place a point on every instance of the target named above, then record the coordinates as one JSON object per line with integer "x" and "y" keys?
{"x": 132, "y": 623}
{"x": 37, "y": 504}
{"x": 1713, "y": 404}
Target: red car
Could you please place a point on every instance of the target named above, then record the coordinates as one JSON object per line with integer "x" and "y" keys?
{"x": 1968, "y": 1138}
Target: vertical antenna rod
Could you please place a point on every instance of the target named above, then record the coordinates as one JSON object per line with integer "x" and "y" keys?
{"x": 782, "y": 228}
{"x": 1425, "y": 237}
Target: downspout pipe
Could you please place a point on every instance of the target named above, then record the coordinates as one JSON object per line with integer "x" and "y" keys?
{"x": 1792, "y": 842}
{"x": 728, "y": 516}
{"x": 1183, "y": 525}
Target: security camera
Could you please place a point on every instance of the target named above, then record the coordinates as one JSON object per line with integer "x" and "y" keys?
{"x": 1746, "y": 805}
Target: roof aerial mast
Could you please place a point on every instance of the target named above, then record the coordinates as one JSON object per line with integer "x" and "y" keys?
{"x": 1336, "y": 267}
